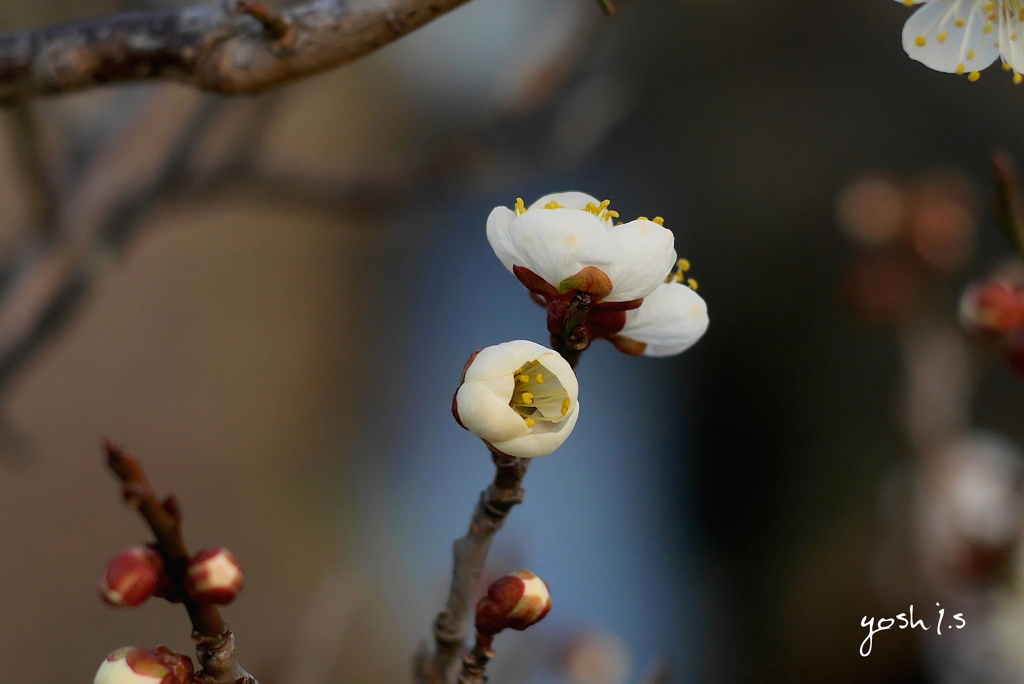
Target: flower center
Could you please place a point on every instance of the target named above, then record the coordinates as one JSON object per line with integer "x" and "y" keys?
{"x": 539, "y": 395}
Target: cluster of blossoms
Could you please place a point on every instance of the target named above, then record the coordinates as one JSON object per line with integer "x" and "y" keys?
{"x": 597, "y": 278}
{"x": 212, "y": 576}
{"x": 966, "y": 36}
{"x": 994, "y": 310}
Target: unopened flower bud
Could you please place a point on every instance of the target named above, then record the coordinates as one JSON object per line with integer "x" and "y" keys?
{"x": 132, "y": 665}
{"x": 131, "y": 577}
{"x": 515, "y": 601}
{"x": 991, "y": 308}
{"x": 214, "y": 576}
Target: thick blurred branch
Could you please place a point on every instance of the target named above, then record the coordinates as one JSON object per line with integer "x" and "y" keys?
{"x": 229, "y": 47}
{"x": 470, "y": 555}
{"x": 215, "y": 644}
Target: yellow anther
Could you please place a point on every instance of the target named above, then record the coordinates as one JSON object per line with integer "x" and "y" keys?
{"x": 959, "y": 22}
{"x": 604, "y": 205}
{"x": 960, "y": 68}
{"x": 680, "y": 276}
{"x": 683, "y": 264}
{"x": 530, "y": 422}
{"x": 1017, "y": 79}
{"x": 692, "y": 283}
{"x": 566, "y": 403}
{"x": 523, "y": 379}
{"x": 988, "y": 30}
{"x": 970, "y": 54}
{"x": 642, "y": 218}
{"x": 974, "y": 76}
{"x": 941, "y": 37}
{"x": 520, "y": 206}
{"x": 553, "y": 205}
{"x": 591, "y": 207}
{"x": 908, "y": 3}
{"x": 527, "y": 397}
{"x": 612, "y": 214}
{"x": 1006, "y": 66}
{"x": 660, "y": 221}
{"x": 540, "y": 378}
{"x": 618, "y": 223}
{"x": 920, "y": 41}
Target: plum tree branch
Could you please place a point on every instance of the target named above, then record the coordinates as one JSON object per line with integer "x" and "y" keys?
{"x": 470, "y": 555}
{"x": 215, "y": 644}
{"x": 230, "y": 47}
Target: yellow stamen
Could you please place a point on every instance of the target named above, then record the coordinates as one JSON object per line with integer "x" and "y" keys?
{"x": 683, "y": 264}
{"x": 942, "y": 37}
{"x": 553, "y": 205}
{"x": 566, "y": 403}
{"x": 520, "y": 206}
{"x": 540, "y": 379}
{"x": 974, "y": 76}
{"x": 523, "y": 379}
{"x": 642, "y": 218}
{"x": 660, "y": 221}
{"x": 612, "y": 214}
{"x": 527, "y": 397}
{"x": 530, "y": 422}
{"x": 920, "y": 41}
{"x": 692, "y": 283}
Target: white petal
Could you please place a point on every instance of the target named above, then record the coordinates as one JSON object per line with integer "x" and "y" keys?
{"x": 1011, "y": 40}
{"x": 931, "y": 36}
{"x": 644, "y": 254}
{"x": 569, "y": 200}
{"x": 671, "y": 320}
{"x": 484, "y": 410}
{"x": 558, "y": 243}
{"x": 503, "y": 359}
{"x": 497, "y": 234}
{"x": 554, "y": 362}
{"x": 543, "y": 439}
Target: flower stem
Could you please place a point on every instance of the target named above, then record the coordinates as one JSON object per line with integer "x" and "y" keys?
{"x": 573, "y": 339}
{"x": 474, "y": 665}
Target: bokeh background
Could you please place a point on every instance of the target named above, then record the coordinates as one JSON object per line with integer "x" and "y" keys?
{"x": 270, "y": 299}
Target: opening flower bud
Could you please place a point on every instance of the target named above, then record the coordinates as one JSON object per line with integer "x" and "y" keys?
{"x": 132, "y": 665}
{"x": 515, "y": 601}
{"x": 991, "y": 308}
{"x": 519, "y": 397}
{"x": 214, "y": 575}
{"x": 131, "y": 577}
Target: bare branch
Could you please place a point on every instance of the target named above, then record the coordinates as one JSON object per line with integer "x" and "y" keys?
{"x": 229, "y": 47}
{"x": 470, "y": 554}
{"x": 215, "y": 644}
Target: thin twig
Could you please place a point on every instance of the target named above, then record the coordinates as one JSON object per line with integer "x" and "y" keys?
{"x": 215, "y": 644}
{"x": 1009, "y": 199}
{"x": 214, "y": 47}
{"x": 470, "y": 555}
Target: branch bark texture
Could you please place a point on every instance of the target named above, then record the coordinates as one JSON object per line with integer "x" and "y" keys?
{"x": 470, "y": 555}
{"x": 228, "y": 47}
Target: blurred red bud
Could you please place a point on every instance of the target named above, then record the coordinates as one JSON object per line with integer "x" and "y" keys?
{"x": 131, "y": 576}
{"x": 991, "y": 308}
{"x": 132, "y": 665}
{"x": 514, "y": 601}
{"x": 214, "y": 575}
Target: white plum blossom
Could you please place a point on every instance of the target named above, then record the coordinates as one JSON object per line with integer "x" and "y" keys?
{"x": 520, "y": 397}
{"x": 570, "y": 241}
{"x": 966, "y": 36}
{"x": 670, "y": 321}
